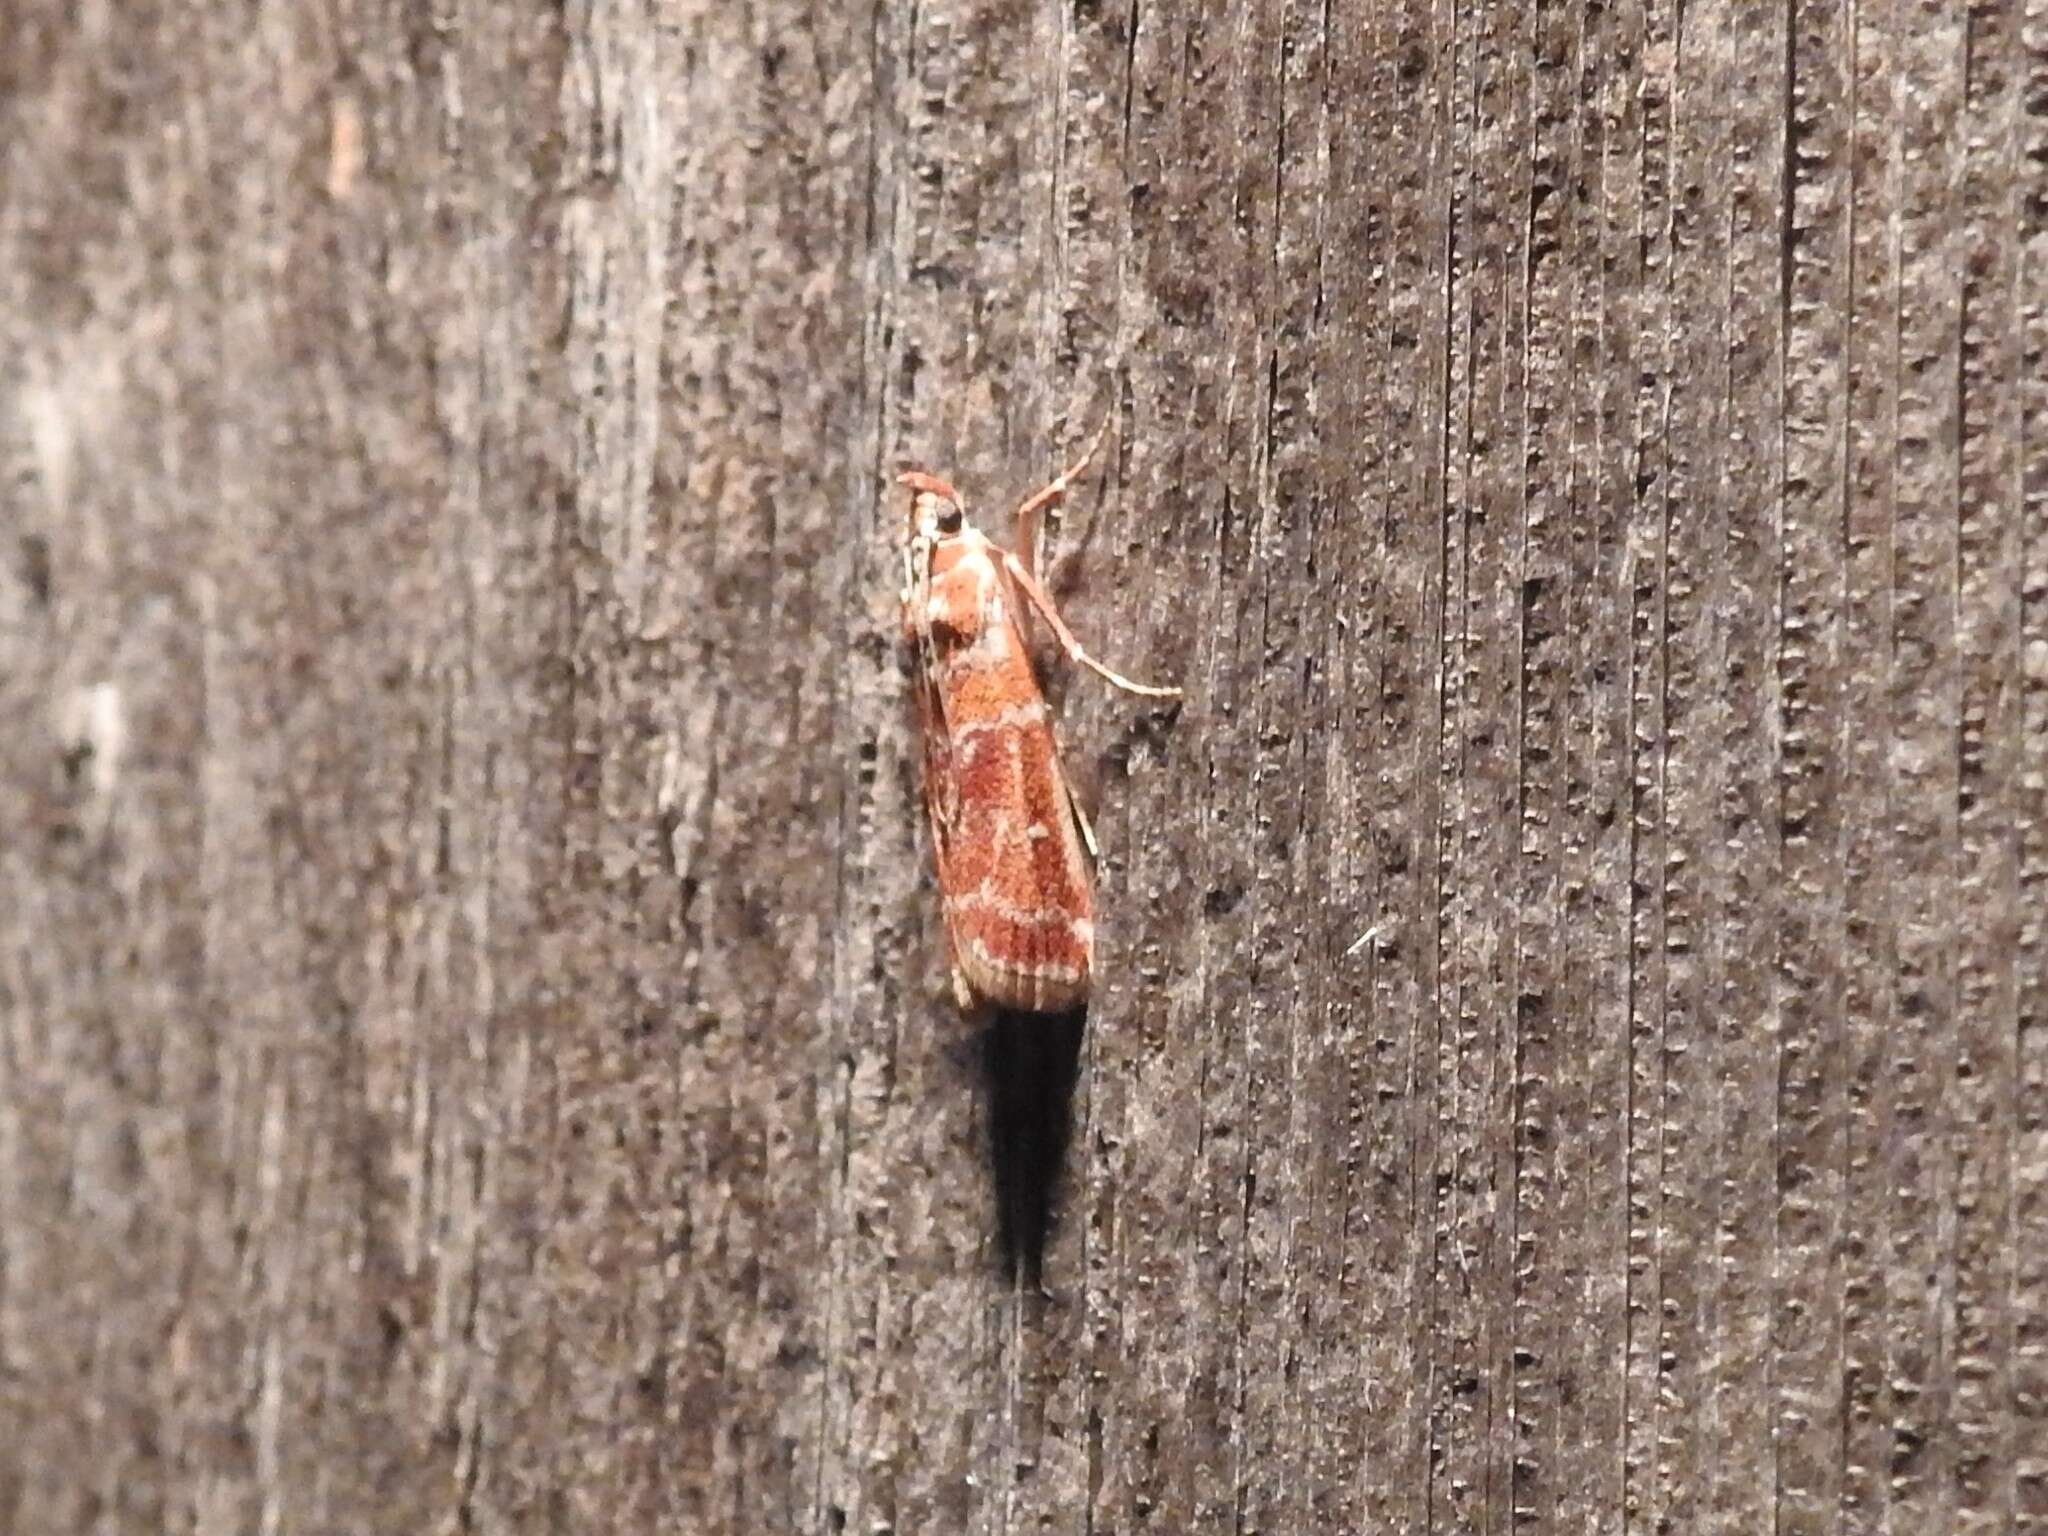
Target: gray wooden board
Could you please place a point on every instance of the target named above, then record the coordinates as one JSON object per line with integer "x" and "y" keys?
{"x": 475, "y": 1051}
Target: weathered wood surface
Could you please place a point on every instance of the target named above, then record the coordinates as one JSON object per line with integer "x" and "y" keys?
{"x": 474, "y": 1051}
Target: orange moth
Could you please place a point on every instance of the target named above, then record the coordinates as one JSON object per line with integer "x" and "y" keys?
{"x": 1007, "y": 834}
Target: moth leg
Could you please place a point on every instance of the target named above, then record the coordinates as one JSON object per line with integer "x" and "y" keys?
{"x": 912, "y": 595}
{"x": 1038, "y": 501}
{"x": 1074, "y": 807}
{"x": 1080, "y": 818}
{"x": 1028, "y": 585}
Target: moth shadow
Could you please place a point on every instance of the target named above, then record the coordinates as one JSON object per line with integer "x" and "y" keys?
{"x": 1031, "y": 1062}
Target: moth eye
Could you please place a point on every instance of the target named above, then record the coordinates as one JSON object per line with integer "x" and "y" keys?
{"x": 949, "y": 517}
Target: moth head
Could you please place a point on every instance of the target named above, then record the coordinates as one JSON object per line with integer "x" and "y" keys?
{"x": 936, "y": 510}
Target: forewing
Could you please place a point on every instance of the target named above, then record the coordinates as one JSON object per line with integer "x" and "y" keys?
{"x": 940, "y": 797}
{"x": 1016, "y": 884}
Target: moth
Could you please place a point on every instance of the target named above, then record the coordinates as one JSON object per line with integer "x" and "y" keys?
{"x": 1009, "y": 839}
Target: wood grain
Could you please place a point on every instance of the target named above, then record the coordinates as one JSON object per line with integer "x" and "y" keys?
{"x": 474, "y": 1044}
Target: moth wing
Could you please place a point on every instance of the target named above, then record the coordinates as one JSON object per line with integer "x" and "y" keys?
{"x": 940, "y": 798}
{"x": 1018, "y": 901}
{"x": 1023, "y": 603}
{"x": 1022, "y": 919}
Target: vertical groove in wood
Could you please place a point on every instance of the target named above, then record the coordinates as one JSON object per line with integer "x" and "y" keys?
{"x": 2030, "y": 815}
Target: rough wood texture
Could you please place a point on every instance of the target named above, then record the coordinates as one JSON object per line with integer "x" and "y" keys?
{"x": 474, "y": 1048}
